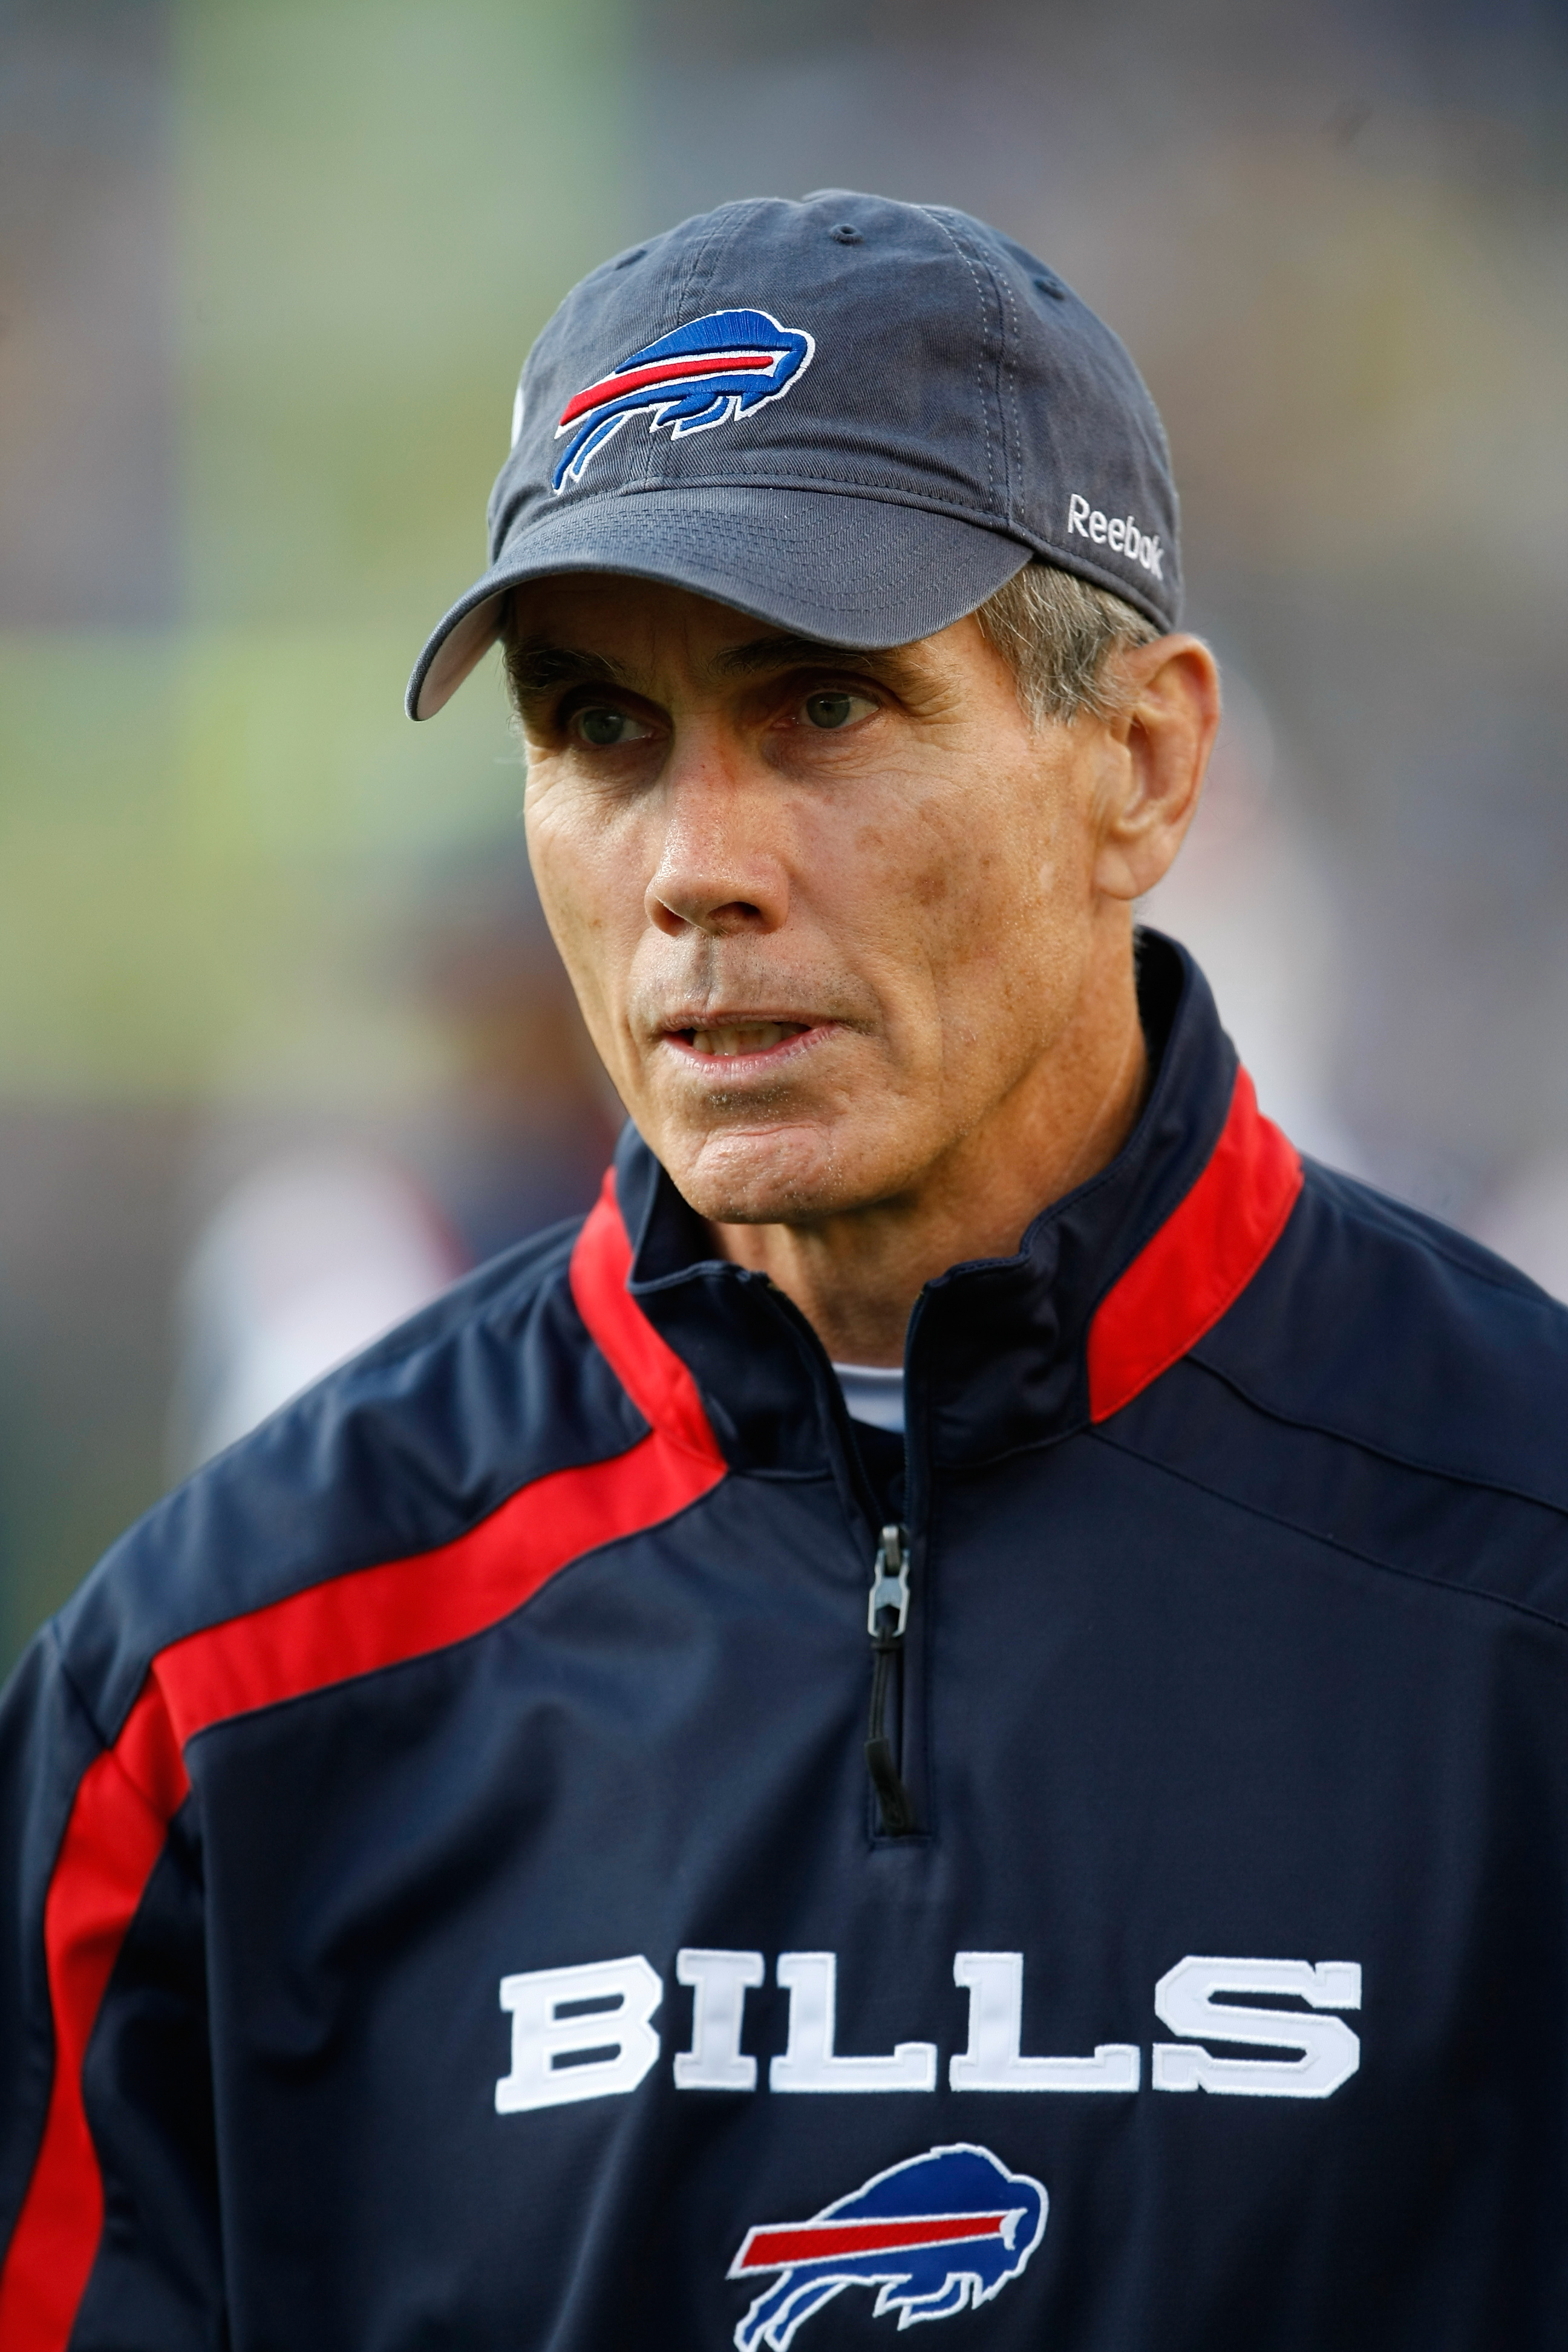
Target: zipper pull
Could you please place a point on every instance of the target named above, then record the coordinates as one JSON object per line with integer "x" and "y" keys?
{"x": 890, "y": 1584}
{"x": 887, "y": 1615}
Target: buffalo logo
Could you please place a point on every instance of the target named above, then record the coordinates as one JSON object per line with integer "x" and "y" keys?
{"x": 729, "y": 363}
{"x": 944, "y": 2230}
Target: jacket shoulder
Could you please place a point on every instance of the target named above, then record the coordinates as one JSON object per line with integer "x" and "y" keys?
{"x": 400, "y": 1450}
{"x": 1374, "y": 1323}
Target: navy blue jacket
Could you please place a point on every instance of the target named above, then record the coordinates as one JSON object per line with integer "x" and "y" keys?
{"x": 446, "y": 1904}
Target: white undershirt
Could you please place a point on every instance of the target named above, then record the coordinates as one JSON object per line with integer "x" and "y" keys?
{"x": 874, "y": 1394}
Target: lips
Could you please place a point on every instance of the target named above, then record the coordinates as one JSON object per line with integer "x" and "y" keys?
{"x": 729, "y": 1040}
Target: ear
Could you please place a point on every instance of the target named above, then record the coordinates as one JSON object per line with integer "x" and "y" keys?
{"x": 1157, "y": 750}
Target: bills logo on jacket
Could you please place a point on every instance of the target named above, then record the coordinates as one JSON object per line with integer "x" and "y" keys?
{"x": 729, "y": 363}
{"x": 938, "y": 2234}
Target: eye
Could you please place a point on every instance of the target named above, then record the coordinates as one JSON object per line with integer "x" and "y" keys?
{"x": 835, "y": 707}
{"x": 604, "y": 727}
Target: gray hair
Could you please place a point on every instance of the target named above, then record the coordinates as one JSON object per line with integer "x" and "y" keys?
{"x": 1057, "y": 635}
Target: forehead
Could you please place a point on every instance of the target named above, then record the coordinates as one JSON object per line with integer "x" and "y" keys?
{"x": 629, "y": 631}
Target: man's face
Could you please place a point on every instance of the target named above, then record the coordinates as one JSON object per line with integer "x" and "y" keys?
{"x": 823, "y": 911}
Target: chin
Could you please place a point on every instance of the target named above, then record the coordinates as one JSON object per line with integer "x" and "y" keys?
{"x": 777, "y": 1176}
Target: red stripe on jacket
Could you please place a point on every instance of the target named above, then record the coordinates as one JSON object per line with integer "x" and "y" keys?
{"x": 1200, "y": 1261}
{"x": 652, "y": 1374}
{"x": 363, "y": 1619}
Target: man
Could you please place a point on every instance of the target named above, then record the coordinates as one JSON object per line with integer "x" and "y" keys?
{"x": 956, "y": 1705}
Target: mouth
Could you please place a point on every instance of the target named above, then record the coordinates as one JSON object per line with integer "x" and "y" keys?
{"x": 741, "y": 1040}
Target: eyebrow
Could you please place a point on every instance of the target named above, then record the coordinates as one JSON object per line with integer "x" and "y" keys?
{"x": 538, "y": 668}
{"x": 761, "y": 654}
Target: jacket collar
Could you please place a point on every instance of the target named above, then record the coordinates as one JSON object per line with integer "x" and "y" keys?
{"x": 1110, "y": 1286}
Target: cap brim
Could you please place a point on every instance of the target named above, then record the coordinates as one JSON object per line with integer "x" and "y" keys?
{"x": 859, "y": 571}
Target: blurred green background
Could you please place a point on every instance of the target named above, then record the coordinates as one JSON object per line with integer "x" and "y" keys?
{"x": 365, "y": 217}
{"x": 267, "y": 275}
{"x": 219, "y": 554}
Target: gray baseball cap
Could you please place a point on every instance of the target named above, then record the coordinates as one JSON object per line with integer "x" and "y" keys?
{"x": 849, "y": 417}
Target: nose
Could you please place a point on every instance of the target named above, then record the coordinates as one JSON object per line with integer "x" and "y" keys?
{"x": 719, "y": 870}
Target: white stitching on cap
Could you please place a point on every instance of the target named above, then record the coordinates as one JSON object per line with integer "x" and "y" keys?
{"x": 1010, "y": 371}
{"x": 937, "y": 222}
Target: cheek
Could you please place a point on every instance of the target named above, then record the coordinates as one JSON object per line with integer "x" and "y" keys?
{"x": 1004, "y": 914}
{"x": 981, "y": 874}
{"x": 587, "y": 881}
{"x": 896, "y": 866}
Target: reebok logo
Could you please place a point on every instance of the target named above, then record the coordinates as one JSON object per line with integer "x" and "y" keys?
{"x": 1120, "y": 533}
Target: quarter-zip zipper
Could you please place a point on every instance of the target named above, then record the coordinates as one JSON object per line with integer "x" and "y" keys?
{"x": 888, "y": 1607}
{"x": 887, "y": 1615}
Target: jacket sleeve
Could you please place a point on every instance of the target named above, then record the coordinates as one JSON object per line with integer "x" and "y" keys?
{"x": 108, "y": 2230}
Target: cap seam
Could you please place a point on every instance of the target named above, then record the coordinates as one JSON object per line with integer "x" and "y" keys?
{"x": 1010, "y": 369}
{"x": 935, "y": 218}
{"x": 981, "y": 259}
{"x": 685, "y": 296}
{"x": 852, "y": 484}
{"x": 877, "y": 493}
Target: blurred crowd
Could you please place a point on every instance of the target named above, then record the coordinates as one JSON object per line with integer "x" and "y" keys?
{"x": 284, "y": 1047}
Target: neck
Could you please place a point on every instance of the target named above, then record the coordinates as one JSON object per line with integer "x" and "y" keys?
{"x": 856, "y": 1275}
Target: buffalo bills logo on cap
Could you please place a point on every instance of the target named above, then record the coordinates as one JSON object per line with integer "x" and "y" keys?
{"x": 940, "y": 2232}
{"x": 729, "y": 363}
